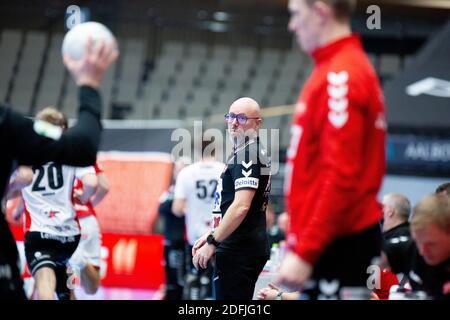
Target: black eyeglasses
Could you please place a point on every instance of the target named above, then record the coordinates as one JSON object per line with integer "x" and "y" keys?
{"x": 241, "y": 118}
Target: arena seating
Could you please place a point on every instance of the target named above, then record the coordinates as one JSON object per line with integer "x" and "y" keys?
{"x": 188, "y": 80}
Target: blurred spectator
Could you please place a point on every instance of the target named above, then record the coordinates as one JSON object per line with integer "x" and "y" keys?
{"x": 430, "y": 228}
{"x": 398, "y": 244}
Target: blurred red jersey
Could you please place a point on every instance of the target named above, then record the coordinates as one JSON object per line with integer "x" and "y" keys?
{"x": 336, "y": 158}
{"x": 83, "y": 210}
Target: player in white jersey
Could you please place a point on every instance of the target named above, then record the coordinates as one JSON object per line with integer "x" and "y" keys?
{"x": 52, "y": 231}
{"x": 194, "y": 198}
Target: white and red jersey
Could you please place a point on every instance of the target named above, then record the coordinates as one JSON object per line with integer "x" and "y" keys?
{"x": 197, "y": 184}
{"x": 83, "y": 210}
{"x": 48, "y": 199}
{"x": 336, "y": 159}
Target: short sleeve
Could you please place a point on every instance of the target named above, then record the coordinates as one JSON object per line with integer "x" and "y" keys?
{"x": 246, "y": 174}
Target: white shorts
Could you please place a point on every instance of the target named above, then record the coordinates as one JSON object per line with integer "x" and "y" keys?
{"x": 89, "y": 248}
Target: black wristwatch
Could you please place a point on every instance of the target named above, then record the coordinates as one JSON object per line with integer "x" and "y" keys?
{"x": 210, "y": 239}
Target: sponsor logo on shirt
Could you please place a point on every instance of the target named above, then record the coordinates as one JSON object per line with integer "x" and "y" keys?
{"x": 247, "y": 182}
{"x": 52, "y": 213}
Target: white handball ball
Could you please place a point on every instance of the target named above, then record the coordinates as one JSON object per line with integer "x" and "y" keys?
{"x": 75, "y": 40}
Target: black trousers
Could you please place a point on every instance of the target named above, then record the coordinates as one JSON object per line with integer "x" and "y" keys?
{"x": 174, "y": 257}
{"x": 235, "y": 276}
{"x": 345, "y": 264}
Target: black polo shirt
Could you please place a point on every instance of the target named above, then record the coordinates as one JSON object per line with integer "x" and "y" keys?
{"x": 247, "y": 168}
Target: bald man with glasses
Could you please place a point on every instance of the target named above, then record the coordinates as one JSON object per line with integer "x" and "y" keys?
{"x": 238, "y": 239}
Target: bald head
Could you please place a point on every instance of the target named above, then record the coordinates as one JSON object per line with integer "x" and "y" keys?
{"x": 241, "y": 131}
{"x": 246, "y": 105}
{"x": 399, "y": 204}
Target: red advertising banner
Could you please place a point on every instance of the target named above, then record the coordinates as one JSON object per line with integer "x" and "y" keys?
{"x": 133, "y": 261}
